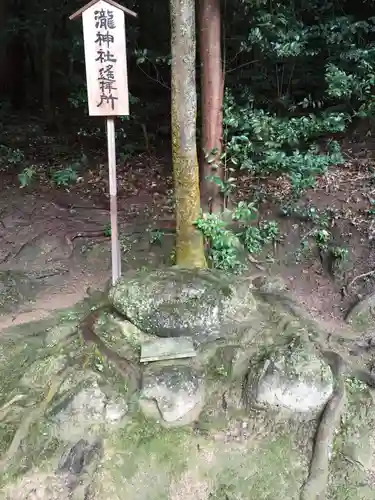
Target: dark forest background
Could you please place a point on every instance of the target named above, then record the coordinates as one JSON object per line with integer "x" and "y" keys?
{"x": 299, "y": 81}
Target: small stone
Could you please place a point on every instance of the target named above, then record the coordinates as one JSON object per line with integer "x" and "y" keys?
{"x": 173, "y": 394}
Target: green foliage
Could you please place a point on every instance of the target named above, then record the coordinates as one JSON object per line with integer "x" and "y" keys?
{"x": 107, "y": 230}
{"x": 65, "y": 176}
{"x": 144, "y": 56}
{"x": 311, "y": 74}
{"x": 26, "y": 177}
{"x": 226, "y": 247}
{"x": 295, "y": 73}
{"x": 263, "y": 143}
{"x": 319, "y": 236}
{"x": 223, "y": 250}
{"x": 78, "y": 98}
{"x": 156, "y": 236}
{"x": 10, "y": 157}
{"x": 371, "y": 211}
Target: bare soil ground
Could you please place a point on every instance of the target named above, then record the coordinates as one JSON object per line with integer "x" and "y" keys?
{"x": 59, "y": 236}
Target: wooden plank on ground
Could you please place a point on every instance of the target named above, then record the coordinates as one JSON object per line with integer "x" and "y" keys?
{"x": 167, "y": 348}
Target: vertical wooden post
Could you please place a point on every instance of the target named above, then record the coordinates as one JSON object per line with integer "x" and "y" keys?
{"x": 115, "y": 243}
{"x": 107, "y": 87}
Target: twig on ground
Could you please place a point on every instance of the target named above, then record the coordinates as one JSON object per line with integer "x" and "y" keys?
{"x": 256, "y": 263}
{"x": 360, "y": 276}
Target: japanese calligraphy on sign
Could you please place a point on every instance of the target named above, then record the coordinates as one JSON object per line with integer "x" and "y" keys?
{"x": 105, "y": 57}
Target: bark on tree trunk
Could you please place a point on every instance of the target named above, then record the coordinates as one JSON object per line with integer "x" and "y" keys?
{"x": 212, "y": 90}
{"x": 189, "y": 241}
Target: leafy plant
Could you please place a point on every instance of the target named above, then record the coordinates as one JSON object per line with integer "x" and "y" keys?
{"x": 65, "y": 176}
{"x": 107, "y": 230}
{"x": 371, "y": 211}
{"x": 319, "y": 236}
{"x": 156, "y": 236}
{"x": 226, "y": 247}
{"x": 341, "y": 254}
{"x": 310, "y": 75}
{"x": 10, "y": 157}
{"x": 223, "y": 250}
{"x": 26, "y": 177}
{"x": 264, "y": 143}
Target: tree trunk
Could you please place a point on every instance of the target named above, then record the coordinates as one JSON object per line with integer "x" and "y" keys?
{"x": 212, "y": 90}
{"x": 189, "y": 241}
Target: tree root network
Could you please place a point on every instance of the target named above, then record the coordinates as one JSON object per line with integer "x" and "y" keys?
{"x": 316, "y": 484}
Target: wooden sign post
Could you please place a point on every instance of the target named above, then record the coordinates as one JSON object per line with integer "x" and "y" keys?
{"x": 107, "y": 87}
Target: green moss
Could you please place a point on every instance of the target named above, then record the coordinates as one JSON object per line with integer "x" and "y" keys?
{"x": 350, "y": 484}
{"x": 353, "y": 447}
{"x": 120, "y": 335}
{"x": 148, "y": 440}
{"x": 269, "y": 471}
{"x": 19, "y": 358}
{"x": 145, "y": 458}
{"x": 220, "y": 365}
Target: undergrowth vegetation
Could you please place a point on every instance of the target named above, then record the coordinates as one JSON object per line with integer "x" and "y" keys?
{"x": 308, "y": 77}
{"x": 297, "y": 76}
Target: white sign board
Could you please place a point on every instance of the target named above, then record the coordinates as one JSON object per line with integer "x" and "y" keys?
{"x": 105, "y": 58}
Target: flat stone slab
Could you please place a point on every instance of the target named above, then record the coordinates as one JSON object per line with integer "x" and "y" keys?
{"x": 167, "y": 348}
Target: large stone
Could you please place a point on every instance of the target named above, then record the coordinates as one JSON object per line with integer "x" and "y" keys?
{"x": 181, "y": 302}
{"x": 296, "y": 380}
{"x": 172, "y": 394}
{"x": 88, "y": 413}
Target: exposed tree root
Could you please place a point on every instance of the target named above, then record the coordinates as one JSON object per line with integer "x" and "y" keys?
{"x": 32, "y": 417}
{"x": 316, "y": 483}
{"x": 361, "y": 276}
{"x": 129, "y": 370}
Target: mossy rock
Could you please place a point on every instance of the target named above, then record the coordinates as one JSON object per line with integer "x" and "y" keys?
{"x": 176, "y": 302}
{"x": 293, "y": 378}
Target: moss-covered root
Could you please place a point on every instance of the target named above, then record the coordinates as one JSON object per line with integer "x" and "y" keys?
{"x": 316, "y": 483}
{"x": 33, "y": 417}
{"x": 130, "y": 371}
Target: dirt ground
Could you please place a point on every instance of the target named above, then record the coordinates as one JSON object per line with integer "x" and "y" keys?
{"x": 58, "y": 236}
